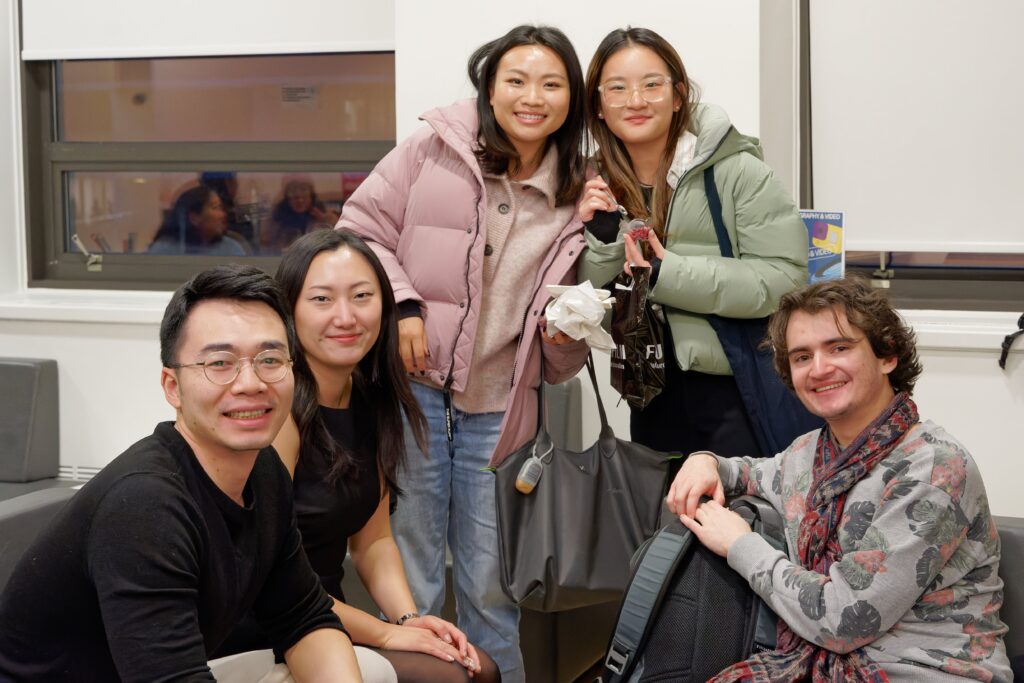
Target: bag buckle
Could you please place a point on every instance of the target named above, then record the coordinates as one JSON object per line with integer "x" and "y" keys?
{"x": 616, "y": 660}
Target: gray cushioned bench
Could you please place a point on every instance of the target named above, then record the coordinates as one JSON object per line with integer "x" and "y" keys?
{"x": 29, "y": 426}
{"x": 1011, "y": 570}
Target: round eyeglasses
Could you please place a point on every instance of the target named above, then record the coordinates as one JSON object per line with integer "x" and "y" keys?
{"x": 651, "y": 90}
{"x": 222, "y": 367}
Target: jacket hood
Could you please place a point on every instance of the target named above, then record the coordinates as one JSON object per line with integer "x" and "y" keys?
{"x": 716, "y": 138}
{"x": 457, "y": 124}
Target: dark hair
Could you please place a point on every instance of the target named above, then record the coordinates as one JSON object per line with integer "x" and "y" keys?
{"x": 379, "y": 380}
{"x": 177, "y": 224}
{"x": 219, "y": 182}
{"x": 866, "y": 308}
{"x": 497, "y": 154}
{"x": 232, "y": 282}
{"x": 611, "y": 155}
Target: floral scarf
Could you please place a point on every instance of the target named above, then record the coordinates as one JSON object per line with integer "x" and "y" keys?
{"x": 835, "y": 473}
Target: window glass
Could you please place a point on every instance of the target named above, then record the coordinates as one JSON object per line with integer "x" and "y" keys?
{"x": 211, "y": 212}
{"x": 225, "y": 99}
{"x": 157, "y": 168}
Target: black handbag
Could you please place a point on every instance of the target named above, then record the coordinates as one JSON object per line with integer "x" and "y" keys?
{"x": 638, "y": 359}
{"x": 567, "y": 543}
{"x": 776, "y": 414}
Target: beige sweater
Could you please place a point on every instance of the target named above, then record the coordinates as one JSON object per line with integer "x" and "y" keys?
{"x": 522, "y": 221}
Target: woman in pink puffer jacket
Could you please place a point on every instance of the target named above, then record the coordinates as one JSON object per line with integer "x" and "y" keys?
{"x": 472, "y": 216}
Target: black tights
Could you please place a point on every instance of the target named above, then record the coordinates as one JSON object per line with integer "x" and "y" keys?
{"x": 417, "y": 667}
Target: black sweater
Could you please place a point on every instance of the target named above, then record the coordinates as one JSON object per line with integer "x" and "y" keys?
{"x": 328, "y": 511}
{"x": 147, "y": 568}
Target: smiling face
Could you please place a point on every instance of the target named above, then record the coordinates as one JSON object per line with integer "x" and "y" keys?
{"x": 835, "y": 372}
{"x": 639, "y": 122}
{"x": 530, "y": 97}
{"x": 245, "y": 415}
{"x": 338, "y": 312}
{"x": 212, "y": 221}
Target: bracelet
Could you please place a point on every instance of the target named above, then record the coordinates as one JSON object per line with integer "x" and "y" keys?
{"x": 406, "y": 617}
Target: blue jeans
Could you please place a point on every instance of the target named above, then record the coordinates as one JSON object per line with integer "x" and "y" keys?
{"x": 449, "y": 497}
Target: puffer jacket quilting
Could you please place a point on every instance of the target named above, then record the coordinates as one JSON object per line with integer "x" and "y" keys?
{"x": 423, "y": 210}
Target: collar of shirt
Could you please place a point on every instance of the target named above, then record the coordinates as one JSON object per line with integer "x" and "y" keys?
{"x": 544, "y": 179}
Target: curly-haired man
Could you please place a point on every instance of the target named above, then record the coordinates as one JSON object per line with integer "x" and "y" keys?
{"x": 892, "y": 556}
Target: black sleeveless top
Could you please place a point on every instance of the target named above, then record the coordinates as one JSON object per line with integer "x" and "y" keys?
{"x": 329, "y": 512}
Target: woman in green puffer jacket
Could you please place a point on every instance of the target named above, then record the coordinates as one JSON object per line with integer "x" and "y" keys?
{"x": 654, "y": 143}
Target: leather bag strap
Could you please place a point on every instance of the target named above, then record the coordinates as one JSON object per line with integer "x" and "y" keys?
{"x": 541, "y": 406}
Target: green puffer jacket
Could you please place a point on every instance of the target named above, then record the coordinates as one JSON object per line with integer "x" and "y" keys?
{"x": 766, "y": 232}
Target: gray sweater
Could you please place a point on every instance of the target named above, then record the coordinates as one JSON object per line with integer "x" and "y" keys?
{"x": 917, "y": 585}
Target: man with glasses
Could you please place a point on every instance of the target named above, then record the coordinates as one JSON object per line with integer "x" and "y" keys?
{"x": 150, "y": 566}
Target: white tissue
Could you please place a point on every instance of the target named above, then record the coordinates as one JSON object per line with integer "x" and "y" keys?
{"x": 578, "y": 311}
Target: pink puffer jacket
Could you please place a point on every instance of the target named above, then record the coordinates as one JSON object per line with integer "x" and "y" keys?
{"x": 423, "y": 208}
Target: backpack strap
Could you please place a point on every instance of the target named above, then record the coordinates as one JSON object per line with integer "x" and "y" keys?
{"x": 762, "y": 517}
{"x": 646, "y": 589}
{"x": 715, "y": 206}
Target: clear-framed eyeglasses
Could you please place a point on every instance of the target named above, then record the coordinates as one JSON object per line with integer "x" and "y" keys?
{"x": 222, "y": 367}
{"x": 652, "y": 89}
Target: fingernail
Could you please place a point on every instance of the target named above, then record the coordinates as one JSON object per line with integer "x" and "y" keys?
{"x": 450, "y": 658}
{"x": 447, "y": 638}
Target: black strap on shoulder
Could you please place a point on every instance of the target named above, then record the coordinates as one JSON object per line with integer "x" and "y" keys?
{"x": 715, "y": 206}
{"x": 646, "y": 590}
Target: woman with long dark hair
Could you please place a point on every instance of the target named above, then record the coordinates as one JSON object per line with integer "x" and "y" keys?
{"x": 472, "y": 216}
{"x": 344, "y": 445}
{"x": 197, "y": 223}
{"x": 655, "y": 143}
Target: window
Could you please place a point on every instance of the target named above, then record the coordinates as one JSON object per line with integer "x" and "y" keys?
{"x": 946, "y": 280}
{"x": 158, "y": 168}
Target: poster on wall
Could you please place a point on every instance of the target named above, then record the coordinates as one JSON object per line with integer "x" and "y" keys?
{"x": 826, "y": 258}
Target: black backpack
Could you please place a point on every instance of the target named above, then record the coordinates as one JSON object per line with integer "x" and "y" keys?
{"x": 686, "y": 614}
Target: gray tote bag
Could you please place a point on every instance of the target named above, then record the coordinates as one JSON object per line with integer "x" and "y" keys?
{"x": 567, "y": 543}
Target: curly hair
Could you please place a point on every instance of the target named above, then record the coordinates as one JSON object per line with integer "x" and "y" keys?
{"x": 867, "y": 309}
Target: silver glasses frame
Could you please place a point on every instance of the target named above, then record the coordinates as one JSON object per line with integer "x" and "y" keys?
{"x": 204, "y": 364}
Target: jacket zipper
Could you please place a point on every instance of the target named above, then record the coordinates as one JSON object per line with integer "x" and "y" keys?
{"x": 449, "y": 419}
{"x": 690, "y": 171}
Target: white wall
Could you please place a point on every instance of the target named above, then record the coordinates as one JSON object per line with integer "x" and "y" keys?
{"x": 964, "y": 390}
{"x": 106, "y": 343}
{"x": 718, "y": 42}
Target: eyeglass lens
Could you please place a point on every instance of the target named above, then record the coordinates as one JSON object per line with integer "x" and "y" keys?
{"x": 222, "y": 367}
{"x": 618, "y": 93}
